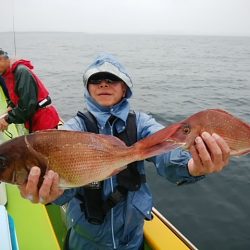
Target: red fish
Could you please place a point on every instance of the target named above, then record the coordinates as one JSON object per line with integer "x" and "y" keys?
{"x": 78, "y": 157}
{"x": 233, "y": 130}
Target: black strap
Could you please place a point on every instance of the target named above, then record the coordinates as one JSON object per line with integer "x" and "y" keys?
{"x": 92, "y": 204}
{"x": 119, "y": 194}
{"x": 89, "y": 121}
{"x": 129, "y": 178}
{"x": 44, "y": 103}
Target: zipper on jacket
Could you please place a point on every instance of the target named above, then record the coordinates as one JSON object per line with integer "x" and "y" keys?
{"x": 112, "y": 217}
{"x": 112, "y": 189}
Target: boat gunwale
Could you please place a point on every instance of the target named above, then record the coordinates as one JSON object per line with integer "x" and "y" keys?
{"x": 167, "y": 223}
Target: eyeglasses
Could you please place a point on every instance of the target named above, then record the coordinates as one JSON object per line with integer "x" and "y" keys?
{"x": 98, "y": 81}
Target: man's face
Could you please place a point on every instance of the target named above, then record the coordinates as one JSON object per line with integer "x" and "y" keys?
{"x": 4, "y": 64}
{"x": 107, "y": 94}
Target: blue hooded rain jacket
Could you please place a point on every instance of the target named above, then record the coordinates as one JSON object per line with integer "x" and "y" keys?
{"x": 123, "y": 225}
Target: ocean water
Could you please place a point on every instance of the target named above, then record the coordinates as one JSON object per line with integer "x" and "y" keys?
{"x": 174, "y": 77}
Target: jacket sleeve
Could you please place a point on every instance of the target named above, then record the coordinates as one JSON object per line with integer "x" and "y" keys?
{"x": 26, "y": 89}
{"x": 172, "y": 165}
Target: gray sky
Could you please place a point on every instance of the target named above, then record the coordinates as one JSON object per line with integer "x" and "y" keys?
{"x": 209, "y": 17}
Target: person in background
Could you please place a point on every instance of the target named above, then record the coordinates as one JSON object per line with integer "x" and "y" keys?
{"x": 110, "y": 214}
{"x": 29, "y": 102}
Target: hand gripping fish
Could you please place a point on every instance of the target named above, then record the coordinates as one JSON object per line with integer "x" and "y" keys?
{"x": 233, "y": 130}
{"x": 81, "y": 157}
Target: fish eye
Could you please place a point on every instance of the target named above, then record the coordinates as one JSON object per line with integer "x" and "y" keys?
{"x": 186, "y": 129}
{"x": 2, "y": 162}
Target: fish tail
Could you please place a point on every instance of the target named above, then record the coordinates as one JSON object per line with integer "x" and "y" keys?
{"x": 157, "y": 143}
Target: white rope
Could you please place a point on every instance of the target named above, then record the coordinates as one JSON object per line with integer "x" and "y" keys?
{"x": 13, "y": 25}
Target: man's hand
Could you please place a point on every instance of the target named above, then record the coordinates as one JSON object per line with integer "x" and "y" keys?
{"x": 210, "y": 154}
{"x": 48, "y": 192}
{"x": 3, "y": 124}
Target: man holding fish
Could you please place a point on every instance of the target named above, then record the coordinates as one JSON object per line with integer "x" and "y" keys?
{"x": 124, "y": 199}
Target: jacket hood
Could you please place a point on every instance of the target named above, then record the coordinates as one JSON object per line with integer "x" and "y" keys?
{"x": 108, "y": 63}
{"x": 102, "y": 114}
{"x": 15, "y": 63}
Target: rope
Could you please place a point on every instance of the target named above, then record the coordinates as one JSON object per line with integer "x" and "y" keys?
{"x": 13, "y": 24}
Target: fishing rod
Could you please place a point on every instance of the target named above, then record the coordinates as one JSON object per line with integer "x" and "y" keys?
{"x": 13, "y": 25}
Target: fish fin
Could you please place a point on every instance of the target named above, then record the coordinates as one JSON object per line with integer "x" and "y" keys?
{"x": 160, "y": 136}
{"x": 62, "y": 187}
{"x": 158, "y": 149}
{"x": 219, "y": 110}
{"x": 157, "y": 143}
{"x": 243, "y": 123}
{"x": 63, "y": 184}
{"x": 236, "y": 153}
{"x": 115, "y": 140}
{"x": 111, "y": 140}
{"x": 117, "y": 171}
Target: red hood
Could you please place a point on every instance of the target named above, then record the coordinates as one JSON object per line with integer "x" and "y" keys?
{"x": 21, "y": 62}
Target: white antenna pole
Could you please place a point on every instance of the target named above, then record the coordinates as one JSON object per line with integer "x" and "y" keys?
{"x": 13, "y": 24}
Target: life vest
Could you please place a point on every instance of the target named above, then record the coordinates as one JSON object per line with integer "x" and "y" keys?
{"x": 93, "y": 205}
{"x": 44, "y": 118}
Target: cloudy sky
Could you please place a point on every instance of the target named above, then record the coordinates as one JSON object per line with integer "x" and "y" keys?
{"x": 208, "y": 17}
